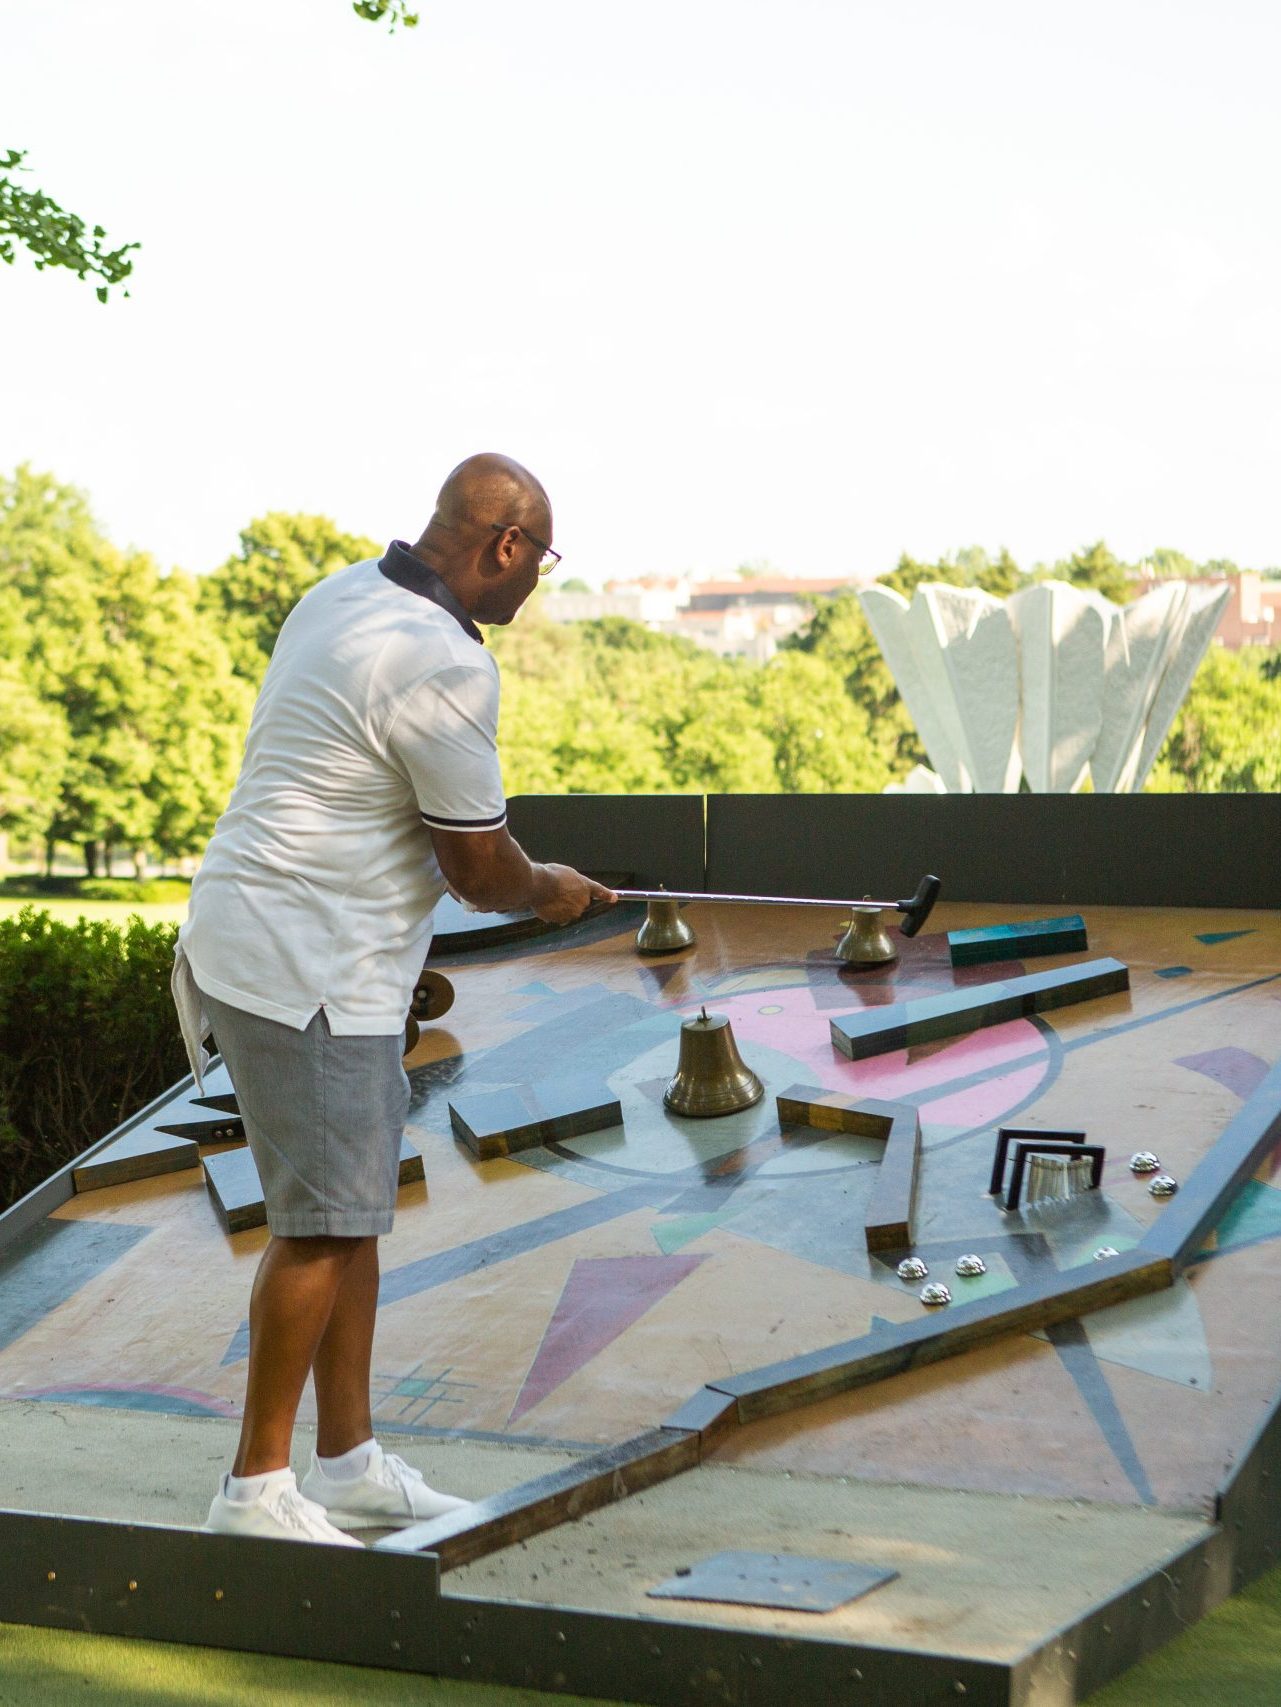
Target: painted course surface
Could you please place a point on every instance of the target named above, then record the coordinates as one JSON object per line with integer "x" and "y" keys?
{"x": 579, "y": 1291}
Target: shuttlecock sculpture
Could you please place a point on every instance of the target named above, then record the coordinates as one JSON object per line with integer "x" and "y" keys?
{"x": 1053, "y": 683}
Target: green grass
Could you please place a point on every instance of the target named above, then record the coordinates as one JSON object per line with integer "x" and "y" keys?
{"x": 67, "y": 908}
{"x": 47, "y": 1668}
{"x": 119, "y": 912}
{"x": 1230, "y": 1659}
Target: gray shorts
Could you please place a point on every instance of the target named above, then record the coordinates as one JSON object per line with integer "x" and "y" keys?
{"x": 324, "y": 1116}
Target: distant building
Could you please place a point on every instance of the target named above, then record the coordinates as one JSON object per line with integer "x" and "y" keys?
{"x": 743, "y": 618}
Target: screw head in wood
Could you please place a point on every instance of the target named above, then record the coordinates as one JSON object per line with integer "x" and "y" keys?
{"x": 1144, "y": 1162}
{"x": 935, "y": 1294}
{"x": 1164, "y": 1185}
{"x": 971, "y": 1265}
{"x": 912, "y": 1268}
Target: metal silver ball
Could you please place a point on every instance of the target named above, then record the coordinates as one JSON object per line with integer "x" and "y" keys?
{"x": 912, "y": 1268}
{"x": 1164, "y": 1185}
{"x": 970, "y": 1265}
{"x": 1144, "y": 1162}
{"x": 935, "y": 1293}
{"x": 1104, "y": 1252}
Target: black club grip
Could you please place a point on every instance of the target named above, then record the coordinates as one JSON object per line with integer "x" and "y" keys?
{"x": 917, "y": 910}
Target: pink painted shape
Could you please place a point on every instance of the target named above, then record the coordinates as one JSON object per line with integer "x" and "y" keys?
{"x": 799, "y": 1029}
{"x": 601, "y": 1299}
{"x": 1235, "y": 1069}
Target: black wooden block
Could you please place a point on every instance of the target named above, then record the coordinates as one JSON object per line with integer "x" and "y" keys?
{"x": 707, "y": 1413}
{"x": 1018, "y": 941}
{"x": 236, "y": 1190}
{"x": 140, "y": 1154}
{"x": 838, "y": 1368}
{"x": 1187, "y": 1219}
{"x": 888, "y": 1216}
{"x": 595, "y": 1480}
{"x": 902, "y": 1025}
{"x": 498, "y": 1123}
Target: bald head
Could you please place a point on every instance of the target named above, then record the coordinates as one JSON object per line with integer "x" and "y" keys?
{"x": 491, "y": 523}
{"x": 490, "y": 488}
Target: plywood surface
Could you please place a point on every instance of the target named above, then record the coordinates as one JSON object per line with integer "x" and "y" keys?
{"x": 587, "y": 1289}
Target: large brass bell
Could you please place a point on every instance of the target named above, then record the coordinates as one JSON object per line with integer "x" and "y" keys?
{"x": 663, "y": 929}
{"x": 711, "y": 1076}
{"x": 866, "y": 941}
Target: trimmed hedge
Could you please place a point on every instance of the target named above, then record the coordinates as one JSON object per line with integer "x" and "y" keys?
{"x": 88, "y": 1035}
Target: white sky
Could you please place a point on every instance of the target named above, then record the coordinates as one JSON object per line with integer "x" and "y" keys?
{"x": 813, "y": 281}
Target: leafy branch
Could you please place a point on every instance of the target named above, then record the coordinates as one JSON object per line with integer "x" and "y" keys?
{"x": 55, "y": 237}
{"x": 394, "y": 11}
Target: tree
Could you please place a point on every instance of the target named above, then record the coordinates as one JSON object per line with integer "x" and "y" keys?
{"x": 1226, "y": 738}
{"x": 281, "y": 557}
{"x": 839, "y": 633}
{"x": 151, "y": 719}
{"x": 54, "y": 237}
{"x": 1097, "y": 568}
{"x": 33, "y": 733}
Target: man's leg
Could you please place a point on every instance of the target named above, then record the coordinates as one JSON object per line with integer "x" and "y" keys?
{"x": 341, "y": 1365}
{"x": 294, "y": 1294}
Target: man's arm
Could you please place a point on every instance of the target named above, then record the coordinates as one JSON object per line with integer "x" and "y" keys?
{"x": 490, "y": 869}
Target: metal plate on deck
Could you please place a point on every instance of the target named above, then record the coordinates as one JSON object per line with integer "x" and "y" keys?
{"x": 774, "y": 1579}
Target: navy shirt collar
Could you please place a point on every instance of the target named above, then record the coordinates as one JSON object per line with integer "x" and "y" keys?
{"x": 401, "y": 566}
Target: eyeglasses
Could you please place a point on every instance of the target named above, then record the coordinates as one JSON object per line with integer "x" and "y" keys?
{"x": 549, "y": 559}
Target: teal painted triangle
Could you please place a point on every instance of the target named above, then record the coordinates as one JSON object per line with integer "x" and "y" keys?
{"x": 1255, "y": 1214}
{"x": 1211, "y": 937}
{"x": 672, "y": 1235}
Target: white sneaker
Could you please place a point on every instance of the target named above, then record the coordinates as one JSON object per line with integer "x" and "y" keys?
{"x": 389, "y": 1495}
{"x": 279, "y": 1511}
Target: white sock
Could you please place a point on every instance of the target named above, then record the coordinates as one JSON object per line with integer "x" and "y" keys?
{"x": 350, "y": 1465}
{"x": 245, "y": 1489}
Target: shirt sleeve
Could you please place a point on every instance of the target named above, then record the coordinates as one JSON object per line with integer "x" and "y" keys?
{"x": 445, "y": 740}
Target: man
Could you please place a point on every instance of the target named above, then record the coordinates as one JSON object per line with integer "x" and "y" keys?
{"x": 370, "y": 784}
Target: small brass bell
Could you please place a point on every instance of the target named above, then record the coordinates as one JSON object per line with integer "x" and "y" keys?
{"x": 711, "y": 1076}
{"x": 866, "y": 941}
{"x": 663, "y": 929}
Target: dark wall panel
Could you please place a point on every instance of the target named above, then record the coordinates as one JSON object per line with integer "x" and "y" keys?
{"x": 1174, "y": 850}
{"x": 658, "y": 837}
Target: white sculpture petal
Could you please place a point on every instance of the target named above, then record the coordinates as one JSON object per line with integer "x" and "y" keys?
{"x": 916, "y": 677}
{"x": 1052, "y": 681}
{"x": 1062, "y": 633}
{"x": 973, "y": 632}
{"x": 1136, "y": 662}
{"x": 1201, "y": 609}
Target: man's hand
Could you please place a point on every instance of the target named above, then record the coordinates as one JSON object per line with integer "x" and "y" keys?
{"x": 490, "y": 870}
{"x": 562, "y": 894}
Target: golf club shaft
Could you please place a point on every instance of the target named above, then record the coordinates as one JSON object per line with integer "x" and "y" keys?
{"x": 863, "y": 906}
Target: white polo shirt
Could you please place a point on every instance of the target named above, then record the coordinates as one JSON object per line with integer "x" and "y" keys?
{"x": 377, "y": 718}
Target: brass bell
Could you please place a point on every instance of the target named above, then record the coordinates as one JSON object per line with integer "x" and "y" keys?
{"x": 866, "y": 941}
{"x": 663, "y": 929}
{"x": 711, "y": 1076}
